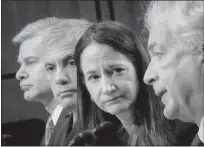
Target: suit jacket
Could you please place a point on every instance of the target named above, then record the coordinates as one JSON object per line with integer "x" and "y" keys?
{"x": 61, "y": 133}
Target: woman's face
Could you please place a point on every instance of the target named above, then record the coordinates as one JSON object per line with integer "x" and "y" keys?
{"x": 110, "y": 78}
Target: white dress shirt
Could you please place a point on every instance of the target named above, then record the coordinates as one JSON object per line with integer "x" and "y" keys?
{"x": 201, "y": 130}
{"x": 56, "y": 113}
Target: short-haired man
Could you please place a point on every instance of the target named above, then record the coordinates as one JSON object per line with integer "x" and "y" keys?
{"x": 32, "y": 72}
{"x": 176, "y": 70}
{"x": 61, "y": 72}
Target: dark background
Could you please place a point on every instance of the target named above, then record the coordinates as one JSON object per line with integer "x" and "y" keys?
{"x": 16, "y": 14}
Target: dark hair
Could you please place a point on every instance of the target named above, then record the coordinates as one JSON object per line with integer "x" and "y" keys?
{"x": 121, "y": 39}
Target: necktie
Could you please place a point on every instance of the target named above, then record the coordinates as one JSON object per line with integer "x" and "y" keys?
{"x": 49, "y": 130}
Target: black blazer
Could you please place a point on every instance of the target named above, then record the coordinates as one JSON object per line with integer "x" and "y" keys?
{"x": 61, "y": 133}
{"x": 62, "y": 129}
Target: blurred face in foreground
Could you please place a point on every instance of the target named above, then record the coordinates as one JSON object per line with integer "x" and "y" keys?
{"x": 176, "y": 74}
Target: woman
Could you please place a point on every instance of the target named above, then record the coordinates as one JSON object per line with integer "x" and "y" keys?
{"x": 112, "y": 62}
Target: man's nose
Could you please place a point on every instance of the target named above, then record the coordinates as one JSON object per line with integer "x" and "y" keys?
{"x": 21, "y": 74}
{"x": 62, "y": 77}
{"x": 150, "y": 75}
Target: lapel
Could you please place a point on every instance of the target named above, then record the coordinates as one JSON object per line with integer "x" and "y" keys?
{"x": 73, "y": 132}
{"x": 67, "y": 129}
{"x": 61, "y": 118}
{"x": 42, "y": 143}
{"x": 59, "y": 127}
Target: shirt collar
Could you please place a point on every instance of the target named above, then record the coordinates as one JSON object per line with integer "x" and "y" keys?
{"x": 201, "y": 130}
{"x": 56, "y": 113}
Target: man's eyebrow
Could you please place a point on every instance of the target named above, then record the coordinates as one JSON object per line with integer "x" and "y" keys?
{"x": 151, "y": 47}
{"x": 27, "y": 59}
{"x": 48, "y": 62}
{"x": 155, "y": 46}
{"x": 89, "y": 72}
{"x": 64, "y": 59}
{"x": 69, "y": 56}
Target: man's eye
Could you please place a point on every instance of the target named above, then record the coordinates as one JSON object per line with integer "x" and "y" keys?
{"x": 50, "y": 68}
{"x": 93, "y": 77}
{"x": 71, "y": 63}
{"x": 158, "y": 55}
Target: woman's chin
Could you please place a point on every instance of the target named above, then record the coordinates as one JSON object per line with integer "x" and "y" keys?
{"x": 115, "y": 111}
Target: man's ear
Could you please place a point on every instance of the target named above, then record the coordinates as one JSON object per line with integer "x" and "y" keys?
{"x": 202, "y": 52}
{"x": 201, "y": 55}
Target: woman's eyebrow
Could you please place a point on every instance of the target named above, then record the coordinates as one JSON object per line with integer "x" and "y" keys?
{"x": 112, "y": 65}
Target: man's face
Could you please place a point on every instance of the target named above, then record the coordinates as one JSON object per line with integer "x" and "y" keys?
{"x": 32, "y": 73}
{"x": 176, "y": 75}
{"x": 61, "y": 72}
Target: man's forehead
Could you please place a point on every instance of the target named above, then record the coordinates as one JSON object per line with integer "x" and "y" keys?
{"x": 27, "y": 52}
{"x": 161, "y": 38}
{"x": 154, "y": 45}
{"x": 156, "y": 36}
{"x": 32, "y": 47}
{"x": 59, "y": 55}
{"x": 35, "y": 40}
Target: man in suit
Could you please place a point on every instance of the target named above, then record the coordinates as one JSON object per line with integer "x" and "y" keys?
{"x": 176, "y": 70}
{"x": 61, "y": 72}
{"x": 33, "y": 41}
{"x": 31, "y": 73}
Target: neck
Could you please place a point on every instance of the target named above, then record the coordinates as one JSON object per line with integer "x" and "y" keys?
{"x": 127, "y": 120}
{"x": 198, "y": 121}
{"x": 51, "y": 106}
{"x": 198, "y": 111}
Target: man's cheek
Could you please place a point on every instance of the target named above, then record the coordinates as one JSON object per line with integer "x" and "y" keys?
{"x": 180, "y": 88}
{"x": 171, "y": 110}
{"x": 49, "y": 78}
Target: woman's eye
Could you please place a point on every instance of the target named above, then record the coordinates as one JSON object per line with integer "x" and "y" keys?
{"x": 118, "y": 70}
{"x": 71, "y": 63}
{"x": 50, "y": 68}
